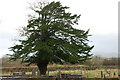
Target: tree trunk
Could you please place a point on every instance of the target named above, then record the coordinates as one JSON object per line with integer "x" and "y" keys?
{"x": 42, "y": 67}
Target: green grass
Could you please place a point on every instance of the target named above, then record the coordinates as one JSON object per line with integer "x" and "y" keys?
{"x": 58, "y": 65}
{"x": 70, "y": 69}
{"x": 84, "y": 73}
{"x": 87, "y": 73}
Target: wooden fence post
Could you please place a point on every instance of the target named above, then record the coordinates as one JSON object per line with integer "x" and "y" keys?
{"x": 23, "y": 73}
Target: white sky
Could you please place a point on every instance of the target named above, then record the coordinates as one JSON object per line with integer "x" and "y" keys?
{"x": 101, "y": 16}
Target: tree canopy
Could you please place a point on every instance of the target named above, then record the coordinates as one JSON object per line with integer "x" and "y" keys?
{"x": 51, "y": 37}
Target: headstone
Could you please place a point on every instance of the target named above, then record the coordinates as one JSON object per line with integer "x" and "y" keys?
{"x": 75, "y": 77}
{"x": 58, "y": 74}
{"x": 33, "y": 73}
{"x": 64, "y": 75}
{"x": 17, "y": 73}
{"x": 38, "y": 73}
{"x": 23, "y": 73}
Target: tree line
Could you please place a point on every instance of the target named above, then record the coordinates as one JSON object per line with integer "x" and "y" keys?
{"x": 101, "y": 61}
{"x": 95, "y": 61}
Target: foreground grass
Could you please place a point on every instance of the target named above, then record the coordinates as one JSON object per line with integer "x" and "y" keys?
{"x": 89, "y": 73}
{"x": 63, "y": 79}
{"x": 73, "y": 69}
{"x": 85, "y": 73}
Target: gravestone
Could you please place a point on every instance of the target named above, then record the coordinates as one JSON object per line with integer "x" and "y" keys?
{"x": 38, "y": 73}
{"x": 33, "y": 73}
{"x": 75, "y": 76}
{"x": 65, "y": 75}
{"x": 17, "y": 73}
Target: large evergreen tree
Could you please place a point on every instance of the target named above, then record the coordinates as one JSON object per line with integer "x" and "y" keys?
{"x": 50, "y": 37}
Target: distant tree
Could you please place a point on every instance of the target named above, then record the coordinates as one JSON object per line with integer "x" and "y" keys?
{"x": 50, "y": 37}
{"x": 5, "y": 62}
{"x": 95, "y": 61}
{"x": 110, "y": 62}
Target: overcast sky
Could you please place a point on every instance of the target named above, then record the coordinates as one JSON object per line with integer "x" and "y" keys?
{"x": 100, "y": 16}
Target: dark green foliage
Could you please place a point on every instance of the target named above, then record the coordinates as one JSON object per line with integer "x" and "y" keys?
{"x": 50, "y": 37}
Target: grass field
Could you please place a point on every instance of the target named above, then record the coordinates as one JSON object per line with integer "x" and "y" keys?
{"x": 84, "y": 73}
{"x": 60, "y": 69}
{"x": 89, "y": 73}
